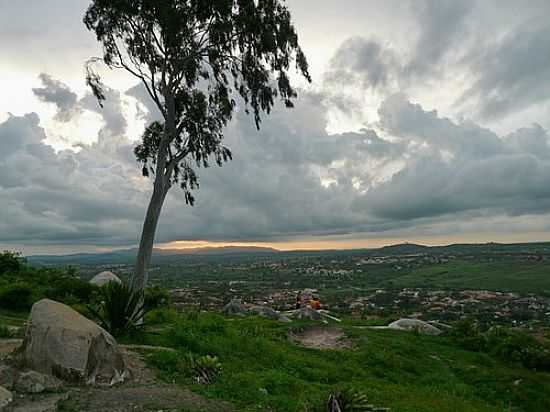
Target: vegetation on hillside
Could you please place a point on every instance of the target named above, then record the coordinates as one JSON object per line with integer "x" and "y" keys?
{"x": 22, "y": 285}
{"x": 261, "y": 370}
{"x": 251, "y": 362}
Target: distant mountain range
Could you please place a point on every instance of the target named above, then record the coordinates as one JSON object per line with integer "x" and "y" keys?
{"x": 126, "y": 256}
{"x": 166, "y": 256}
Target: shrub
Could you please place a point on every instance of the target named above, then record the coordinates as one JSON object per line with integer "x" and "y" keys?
{"x": 518, "y": 347}
{"x": 156, "y": 297}
{"x": 121, "y": 309}
{"x": 10, "y": 262}
{"x": 467, "y": 334}
{"x": 18, "y": 296}
{"x": 71, "y": 290}
{"x": 504, "y": 343}
{"x": 5, "y": 332}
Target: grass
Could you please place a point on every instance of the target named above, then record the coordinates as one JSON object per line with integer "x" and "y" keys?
{"x": 262, "y": 371}
{"x": 493, "y": 275}
{"x": 11, "y": 318}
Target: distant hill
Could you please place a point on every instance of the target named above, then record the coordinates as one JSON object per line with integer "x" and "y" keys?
{"x": 167, "y": 256}
{"x": 403, "y": 249}
{"x": 127, "y": 256}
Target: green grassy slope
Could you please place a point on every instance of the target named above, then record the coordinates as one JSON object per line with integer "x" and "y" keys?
{"x": 460, "y": 274}
{"x": 263, "y": 371}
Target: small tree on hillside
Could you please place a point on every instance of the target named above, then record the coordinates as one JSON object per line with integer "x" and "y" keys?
{"x": 193, "y": 57}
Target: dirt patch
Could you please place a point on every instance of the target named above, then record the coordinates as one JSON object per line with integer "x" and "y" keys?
{"x": 141, "y": 399}
{"x": 140, "y": 393}
{"x": 322, "y": 338}
{"x": 7, "y": 346}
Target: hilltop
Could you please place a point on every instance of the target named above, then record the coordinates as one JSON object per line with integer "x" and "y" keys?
{"x": 163, "y": 256}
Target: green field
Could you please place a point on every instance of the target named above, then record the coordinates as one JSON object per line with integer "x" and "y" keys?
{"x": 263, "y": 371}
{"x": 515, "y": 276}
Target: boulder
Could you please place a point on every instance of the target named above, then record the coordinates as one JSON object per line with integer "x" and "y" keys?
{"x": 264, "y": 311}
{"x": 5, "y": 397}
{"x": 105, "y": 277}
{"x": 306, "y": 313}
{"x": 414, "y": 325}
{"x": 61, "y": 342}
{"x": 35, "y": 382}
{"x": 235, "y": 307}
{"x": 7, "y": 376}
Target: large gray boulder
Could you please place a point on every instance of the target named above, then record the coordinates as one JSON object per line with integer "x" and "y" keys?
{"x": 235, "y": 307}
{"x": 414, "y": 325}
{"x": 105, "y": 277}
{"x": 5, "y": 397}
{"x": 61, "y": 342}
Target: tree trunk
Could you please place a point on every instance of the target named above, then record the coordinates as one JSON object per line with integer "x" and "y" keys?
{"x": 163, "y": 175}
{"x": 145, "y": 251}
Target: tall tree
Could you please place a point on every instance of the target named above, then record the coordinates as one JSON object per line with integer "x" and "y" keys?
{"x": 194, "y": 57}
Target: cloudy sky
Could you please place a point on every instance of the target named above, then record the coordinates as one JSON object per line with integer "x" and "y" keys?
{"x": 427, "y": 121}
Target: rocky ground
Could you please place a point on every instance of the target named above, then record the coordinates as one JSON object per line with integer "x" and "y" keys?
{"x": 141, "y": 392}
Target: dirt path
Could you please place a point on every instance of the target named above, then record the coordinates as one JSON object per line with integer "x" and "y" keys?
{"x": 320, "y": 337}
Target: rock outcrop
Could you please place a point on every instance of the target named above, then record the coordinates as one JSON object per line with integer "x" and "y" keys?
{"x": 414, "y": 325}
{"x": 235, "y": 307}
{"x": 35, "y": 382}
{"x": 5, "y": 397}
{"x": 62, "y": 343}
{"x": 105, "y": 277}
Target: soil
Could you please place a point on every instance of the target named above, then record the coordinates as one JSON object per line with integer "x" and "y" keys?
{"x": 141, "y": 392}
{"x": 320, "y": 337}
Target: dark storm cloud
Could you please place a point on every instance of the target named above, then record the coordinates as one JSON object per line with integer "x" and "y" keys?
{"x": 460, "y": 167}
{"x": 412, "y": 168}
{"x": 272, "y": 188}
{"x": 512, "y": 73}
{"x": 59, "y": 197}
{"x": 441, "y": 24}
{"x": 291, "y": 178}
{"x": 59, "y": 94}
{"x": 362, "y": 62}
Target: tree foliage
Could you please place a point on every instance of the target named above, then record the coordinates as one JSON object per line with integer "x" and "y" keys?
{"x": 194, "y": 57}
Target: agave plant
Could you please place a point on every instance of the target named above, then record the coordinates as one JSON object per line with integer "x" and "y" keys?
{"x": 205, "y": 368}
{"x": 121, "y": 309}
{"x": 349, "y": 400}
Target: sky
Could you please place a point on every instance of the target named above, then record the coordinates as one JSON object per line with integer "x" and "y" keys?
{"x": 427, "y": 121}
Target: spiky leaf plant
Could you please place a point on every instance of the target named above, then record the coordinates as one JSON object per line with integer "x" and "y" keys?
{"x": 121, "y": 309}
{"x": 350, "y": 400}
{"x": 205, "y": 368}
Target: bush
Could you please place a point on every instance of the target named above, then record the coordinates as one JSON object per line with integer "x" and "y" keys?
{"x": 156, "y": 297}
{"x": 518, "y": 347}
{"x": 467, "y": 334}
{"x": 10, "y": 262}
{"x": 71, "y": 290}
{"x": 16, "y": 297}
{"x": 504, "y": 343}
{"x": 5, "y": 332}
